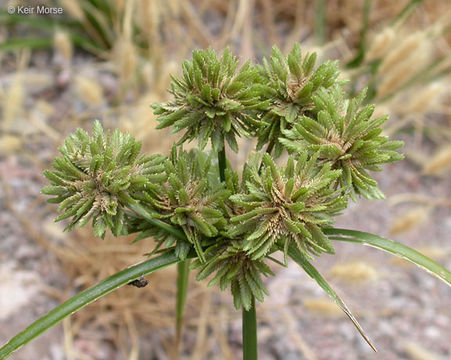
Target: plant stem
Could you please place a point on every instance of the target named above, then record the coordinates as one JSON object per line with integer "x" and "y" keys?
{"x": 320, "y": 22}
{"x": 222, "y": 163}
{"x": 182, "y": 289}
{"x": 249, "y": 316}
{"x": 250, "y": 333}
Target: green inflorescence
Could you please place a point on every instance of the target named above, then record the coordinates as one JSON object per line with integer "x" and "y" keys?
{"x": 213, "y": 100}
{"x": 347, "y": 137}
{"x": 232, "y": 227}
{"x": 288, "y": 204}
{"x": 98, "y": 176}
{"x": 288, "y": 86}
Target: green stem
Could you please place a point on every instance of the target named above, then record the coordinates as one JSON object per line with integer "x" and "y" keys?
{"x": 86, "y": 297}
{"x": 222, "y": 163}
{"x": 358, "y": 59}
{"x": 268, "y": 151}
{"x": 320, "y": 22}
{"x": 249, "y": 316}
{"x": 182, "y": 289}
{"x": 406, "y": 11}
{"x": 250, "y": 333}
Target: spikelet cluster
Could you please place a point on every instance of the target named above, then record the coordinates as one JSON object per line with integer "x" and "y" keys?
{"x": 191, "y": 199}
{"x": 98, "y": 176}
{"x": 288, "y": 205}
{"x": 213, "y": 100}
{"x": 289, "y": 82}
{"x": 232, "y": 266}
{"x": 232, "y": 227}
{"x": 347, "y": 137}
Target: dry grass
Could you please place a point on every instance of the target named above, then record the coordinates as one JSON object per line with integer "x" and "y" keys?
{"x": 171, "y": 29}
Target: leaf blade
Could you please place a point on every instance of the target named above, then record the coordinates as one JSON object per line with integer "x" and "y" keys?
{"x": 294, "y": 253}
{"x": 86, "y": 297}
{"x": 391, "y": 247}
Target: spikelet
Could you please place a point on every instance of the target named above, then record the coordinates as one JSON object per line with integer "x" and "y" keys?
{"x": 73, "y": 9}
{"x": 323, "y": 307}
{"x": 409, "y": 220}
{"x": 403, "y": 51}
{"x": 424, "y": 98}
{"x": 398, "y": 74}
{"x": 440, "y": 162}
{"x": 88, "y": 90}
{"x": 13, "y": 102}
{"x": 358, "y": 271}
{"x": 63, "y": 44}
{"x": 381, "y": 44}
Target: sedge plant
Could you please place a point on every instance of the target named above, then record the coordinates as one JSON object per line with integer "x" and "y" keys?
{"x": 205, "y": 216}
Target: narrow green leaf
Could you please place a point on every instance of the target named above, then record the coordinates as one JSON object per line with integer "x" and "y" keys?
{"x": 294, "y": 253}
{"x": 392, "y": 247}
{"x": 86, "y": 297}
{"x": 29, "y": 43}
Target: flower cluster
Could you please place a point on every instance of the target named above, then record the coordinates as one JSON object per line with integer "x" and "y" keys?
{"x": 346, "y": 137}
{"x": 286, "y": 205}
{"x": 233, "y": 266}
{"x": 212, "y": 100}
{"x": 191, "y": 198}
{"x": 98, "y": 176}
{"x": 289, "y": 83}
{"x": 197, "y": 206}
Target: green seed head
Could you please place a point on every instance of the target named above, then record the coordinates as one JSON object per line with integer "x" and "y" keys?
{"x": 289, "y": 84}
{"x": 347, "y": 137}
{"x": 212, "y": 100}
{"x": 286, "y": 205}
{"x": 192, "y": 198}
{"x": 97, "y": 176}
{"x": 231, "y": 265}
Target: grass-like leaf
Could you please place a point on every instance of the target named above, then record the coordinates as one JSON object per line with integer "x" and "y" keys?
{"x": 86, "y": 297}
{"x": 30, "y": 43}
{"x": 296, "y": 255}
{"x": 391, "y": 247}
